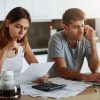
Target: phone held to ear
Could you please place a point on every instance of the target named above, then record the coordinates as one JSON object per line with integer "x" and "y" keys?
{"x": 84, "y": 32}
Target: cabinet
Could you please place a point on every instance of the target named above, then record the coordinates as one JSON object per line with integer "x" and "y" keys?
{"x": 50, "y": 9}
{"x": 63, "y": 5}
{"x": 10, "y": 4}
{"x": 91, "y": 8}
{"x": 39, "y": 9}
{"x": 2, "y": 9}
{"x": 44, "y": 9}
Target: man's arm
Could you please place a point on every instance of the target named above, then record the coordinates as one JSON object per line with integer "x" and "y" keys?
{"x": 29, "y": 55}
{"x": 93, "y": 61}
{"x": 64, "y": 72}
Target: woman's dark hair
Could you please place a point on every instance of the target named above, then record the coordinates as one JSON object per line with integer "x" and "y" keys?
{"x": 73, "y": 14}
{"x": 13, "y": 16}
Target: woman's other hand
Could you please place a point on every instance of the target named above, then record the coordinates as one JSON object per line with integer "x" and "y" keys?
{"x": 42, "y": 79}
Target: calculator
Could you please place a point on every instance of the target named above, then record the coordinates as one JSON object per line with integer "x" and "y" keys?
{"x": 48, "y": 86}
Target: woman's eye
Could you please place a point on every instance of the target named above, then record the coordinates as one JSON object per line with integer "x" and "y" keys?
{"x": 17, "y": 26}
{"x": 21, "y": 27}
{"x": 26, "y": 28}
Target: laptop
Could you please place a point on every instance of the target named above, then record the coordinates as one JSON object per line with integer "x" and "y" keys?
{"x": 34, "y": 71}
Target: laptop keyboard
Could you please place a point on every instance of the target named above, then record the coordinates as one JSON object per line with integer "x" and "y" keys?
{"x": 48, "y": 86}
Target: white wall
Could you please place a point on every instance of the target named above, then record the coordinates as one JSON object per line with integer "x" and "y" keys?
{"x": 97, "y": 26}
{"x": 85, "y": 68}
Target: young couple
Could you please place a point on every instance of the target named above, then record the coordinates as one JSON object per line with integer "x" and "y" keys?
{"x": 67, "y": 48}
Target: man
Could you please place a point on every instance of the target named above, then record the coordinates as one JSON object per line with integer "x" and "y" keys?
{"x": 69, "y": 47}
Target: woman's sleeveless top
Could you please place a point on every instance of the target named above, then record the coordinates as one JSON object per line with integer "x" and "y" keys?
{"x": 15, "y": 63}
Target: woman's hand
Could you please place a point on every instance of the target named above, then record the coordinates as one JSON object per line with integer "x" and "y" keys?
{"x": 11, "y": 45}
{"x": 42, "y": 79}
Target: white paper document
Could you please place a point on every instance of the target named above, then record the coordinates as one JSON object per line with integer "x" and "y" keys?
{"x": 34, "y": 71}
{"x": 72, "y": 89}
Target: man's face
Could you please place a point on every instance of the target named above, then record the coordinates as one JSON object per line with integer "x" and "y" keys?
{"x": 75, "y": 30}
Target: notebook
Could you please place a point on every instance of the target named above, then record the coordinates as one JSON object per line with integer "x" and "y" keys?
{"x": 34, "y": 71}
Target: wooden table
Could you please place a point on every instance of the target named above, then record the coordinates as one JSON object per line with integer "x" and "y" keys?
{"x": 88, "y": 94}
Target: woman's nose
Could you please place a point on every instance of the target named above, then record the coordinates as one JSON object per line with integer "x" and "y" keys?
{"x": 21, "y": 30}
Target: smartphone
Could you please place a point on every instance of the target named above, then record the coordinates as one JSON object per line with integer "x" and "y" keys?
{"x": 84, "y": 32}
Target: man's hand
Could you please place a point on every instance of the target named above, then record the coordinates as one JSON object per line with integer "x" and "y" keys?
{"x": 89, "y": 32}
{"x": 95, "y": 77}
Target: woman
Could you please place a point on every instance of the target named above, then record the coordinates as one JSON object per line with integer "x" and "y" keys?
{"x": 13, "y": 42}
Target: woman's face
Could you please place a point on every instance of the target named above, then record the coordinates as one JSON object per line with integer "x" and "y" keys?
{"x": 18, "y": 29}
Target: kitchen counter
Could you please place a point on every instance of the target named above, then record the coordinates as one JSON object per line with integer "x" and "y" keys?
{"x": 40, "y": 51}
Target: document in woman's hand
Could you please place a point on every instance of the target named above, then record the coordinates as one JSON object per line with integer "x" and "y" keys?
{"x": 34, "y": 71}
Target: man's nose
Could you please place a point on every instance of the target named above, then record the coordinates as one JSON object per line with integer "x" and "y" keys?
{"x": 81, "y": 28}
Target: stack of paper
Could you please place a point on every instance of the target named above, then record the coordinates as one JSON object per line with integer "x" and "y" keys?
{"x": 72, "y": 89}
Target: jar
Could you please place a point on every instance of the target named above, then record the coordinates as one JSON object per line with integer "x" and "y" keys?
{"x": 9, "y": 89}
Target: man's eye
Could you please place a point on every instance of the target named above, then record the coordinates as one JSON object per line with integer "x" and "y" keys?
{"x": 75, "y": 27}
{"x": 78, "y": 27}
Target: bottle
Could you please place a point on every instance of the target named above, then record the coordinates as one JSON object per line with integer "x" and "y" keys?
{"x": 8, "y": 87}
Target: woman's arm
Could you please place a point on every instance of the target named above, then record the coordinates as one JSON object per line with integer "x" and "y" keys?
{"x": 3, "y": 54}
{"x": 30, "y": 58}
{"x": 29, "y": 55}
{"x": 5, "y": 50}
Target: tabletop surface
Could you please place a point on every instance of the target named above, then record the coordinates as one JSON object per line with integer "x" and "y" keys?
{"x": 90, "y": 92}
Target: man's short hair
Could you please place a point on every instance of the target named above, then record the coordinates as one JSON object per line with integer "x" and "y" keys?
{"x": 73, "y": 14}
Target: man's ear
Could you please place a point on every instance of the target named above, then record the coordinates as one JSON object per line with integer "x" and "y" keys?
{"x": 65, "y": 27}
{"x": 7, "y": 23}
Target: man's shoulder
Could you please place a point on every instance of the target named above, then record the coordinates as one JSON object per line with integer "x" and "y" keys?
{"x": 57, "y": 35}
